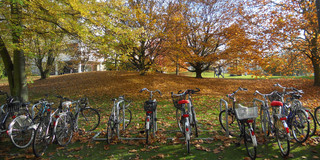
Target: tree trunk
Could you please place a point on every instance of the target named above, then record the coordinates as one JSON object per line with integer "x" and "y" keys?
{"x": 177, "y": 65}
{"x": 316, "y": 70}
{"x": 318, "y": 12}
{"x": 7, "y": 64}
{"x": 20, "y": 88}
{"x": 198, "y": 73}
{"x": 44, "y": 73}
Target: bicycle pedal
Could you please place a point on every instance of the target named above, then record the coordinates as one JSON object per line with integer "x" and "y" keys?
{"x": 142, "y": 132}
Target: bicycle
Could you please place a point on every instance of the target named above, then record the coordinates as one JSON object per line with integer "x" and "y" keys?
{"x": 185, "y": 113}
{"x": 297, "y": 117}
{"x": 9, "y": 110}
{"x": 317, "y": 115}
{"x": 118, "y": 118}
{"x": 265, "y": 117}
{"x": 241, "y": 117}
{"x": 21, "y": 129}
{"x": 84, "y": 117}
{"x": 56, "y": 125}
{"x": 150, "y": 106}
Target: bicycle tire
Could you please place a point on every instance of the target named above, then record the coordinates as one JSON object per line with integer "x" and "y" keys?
{"x": 40, "y": 141}
{"x": 178, "y": 117}
{"x": 188, "y": 146}
{"x": 110, "y": 131}
{"x": 21, "y": 136}
{"x": 283, "y": 138}
{"x": 265, "y": 122}
{"x": 63, "y": 129}
{"x": 317, "y": 115}
{"x": 127, "y": 119}
{"x": 248, "y": 141}
{"x": 89, "y": 119}
{"x": 233, "y": 127}
{"x": 195, "y": 126}
{"x": 312, "y": 124}
{"x": 150, "y": 130}
{"x": 300, "y": 126}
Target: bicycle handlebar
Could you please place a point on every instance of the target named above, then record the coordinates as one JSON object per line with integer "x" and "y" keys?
{"x": 288, "y": 88}
{"x": 239, "y": 89}
{"x": 151, "y": 92}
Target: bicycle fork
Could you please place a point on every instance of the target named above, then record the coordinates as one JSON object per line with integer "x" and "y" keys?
{"x": 251, "y": 132}
{"x": 148, "y": 119}
{"x": 285, "y": 125}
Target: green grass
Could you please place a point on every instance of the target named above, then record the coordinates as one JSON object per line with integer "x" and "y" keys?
{"x": 209, "y": 74}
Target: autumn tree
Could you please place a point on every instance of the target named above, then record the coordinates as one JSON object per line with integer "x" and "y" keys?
{"x": 297, "y": 26}
{"x": 204, "y": 33}
{"x": 174, "y": 27}
{"x": 75, "y": 18}
{"x": 15, "y": 67}
{"x": 142, "y": 49}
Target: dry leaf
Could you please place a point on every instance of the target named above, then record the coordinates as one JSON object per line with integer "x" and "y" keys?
{"x": 133, "y": 151}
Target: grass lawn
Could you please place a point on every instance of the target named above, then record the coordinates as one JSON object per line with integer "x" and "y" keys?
{"x": 209, "y": 74}
{"x": 100, "y": 87}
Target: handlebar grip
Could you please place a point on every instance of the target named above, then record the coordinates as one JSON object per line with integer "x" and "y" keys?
{"x": 243, "y": 89}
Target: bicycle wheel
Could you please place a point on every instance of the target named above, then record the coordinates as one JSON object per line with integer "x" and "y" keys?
{"x": 188, "y": 146}
{"x": 233, "y": 127}
{"x": 283, "y": 138}
{"x": 178, "y": 117}
{"x": 265, "y": 122}
{"x": 127, "y": 119}
{"x": 63, "y": 129}
{"x": 40, "y": 140}
{"x": 110, "y": 131}
{"x": 89, "y": 119}
{"x": 300, "y": 126}
{"x": 312, "y": 124}
{"x": 249, "y": 141}
{"x": 194, "y": 120}
{"x": 20, "y": 133}
{"x": 317, "y": 115}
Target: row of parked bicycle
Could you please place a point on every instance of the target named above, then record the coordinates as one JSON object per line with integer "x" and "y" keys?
{"x": 41, "y": 124}
{"x": 285, "y": 116}
{"x": 121, "y": 115}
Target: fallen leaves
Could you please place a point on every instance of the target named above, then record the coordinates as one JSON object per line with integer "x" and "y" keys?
{"x": 158, "y": 156}
{"x": 133, "y": 151}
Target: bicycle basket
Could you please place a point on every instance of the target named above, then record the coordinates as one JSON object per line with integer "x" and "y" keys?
{"x": 13, "y": 106}
{"x": 243, "y": 112}
{"x": 176, "y": 99}
{"x": 150, "y": 106}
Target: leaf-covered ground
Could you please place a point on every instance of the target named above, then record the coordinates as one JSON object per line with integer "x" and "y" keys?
{"x": 100, "y": 87}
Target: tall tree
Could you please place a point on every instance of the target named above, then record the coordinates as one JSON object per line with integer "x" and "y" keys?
{"x": 143, "y": 49}
{"x": 15, "y": 67}
{"x": 203, "y": 33}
